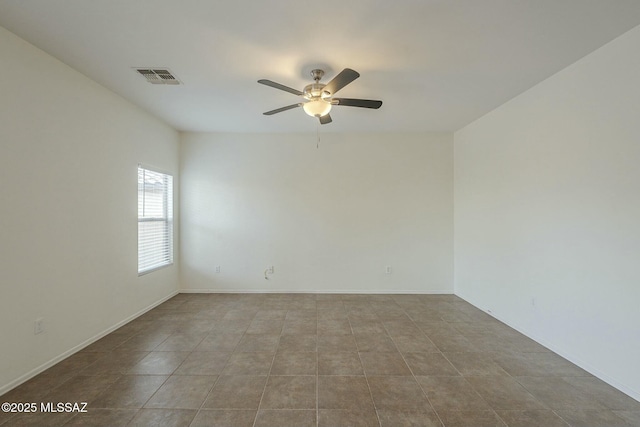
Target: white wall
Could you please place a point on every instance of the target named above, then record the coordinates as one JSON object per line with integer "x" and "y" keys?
{"x": 68, "y": 204}
{"x": 547, "y": 212}
{"x": 329, "y": 219}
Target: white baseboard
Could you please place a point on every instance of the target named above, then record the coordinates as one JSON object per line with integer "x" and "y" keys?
{"x": 342, "y": 291}
{"x": 634, "y": 394}
{"x": 26, "y": 377}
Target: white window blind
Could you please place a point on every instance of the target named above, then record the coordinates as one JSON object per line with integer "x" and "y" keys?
{"x": 155, "y": 220}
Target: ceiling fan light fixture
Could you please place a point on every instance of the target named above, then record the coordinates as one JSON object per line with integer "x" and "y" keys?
{"x": 319, "y": 97}
{"x": 317, "y": 107}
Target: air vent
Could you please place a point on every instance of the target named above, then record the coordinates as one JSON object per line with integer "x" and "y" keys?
{"x": 160, "y": 76}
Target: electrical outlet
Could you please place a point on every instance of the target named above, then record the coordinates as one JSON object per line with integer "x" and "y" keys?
{"x": 217, "y": 269}
{"x": 38, "y": 326}
{"x": 270, "y": 270}
{"x": 388, "y": 270}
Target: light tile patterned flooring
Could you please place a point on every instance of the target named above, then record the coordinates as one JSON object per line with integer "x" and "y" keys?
{"x": 320, "y": 360}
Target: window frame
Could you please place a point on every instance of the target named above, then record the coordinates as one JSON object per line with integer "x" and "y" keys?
{"x": 167, "y": 218}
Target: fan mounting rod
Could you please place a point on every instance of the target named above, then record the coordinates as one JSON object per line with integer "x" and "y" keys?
{"x": 314, "y": 91}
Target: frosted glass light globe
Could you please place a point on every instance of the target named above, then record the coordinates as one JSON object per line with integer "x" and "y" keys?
{"x": 317, "y": 107}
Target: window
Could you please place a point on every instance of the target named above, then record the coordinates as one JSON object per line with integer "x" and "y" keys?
{"x": 155, "y": 220}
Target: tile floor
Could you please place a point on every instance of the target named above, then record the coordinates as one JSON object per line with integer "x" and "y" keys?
{"x": 320, "y": 360}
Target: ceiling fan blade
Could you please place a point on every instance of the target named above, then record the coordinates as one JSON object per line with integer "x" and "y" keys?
{"x": 279, "y": 86}
{"x": 364, "y": 103}
{"x": 325, "y": 119}
{"x": 345, "y": 77}
{"x": 280, "y": 110}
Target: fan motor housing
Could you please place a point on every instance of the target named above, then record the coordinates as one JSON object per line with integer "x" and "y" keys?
{"x": 315, "y": 91}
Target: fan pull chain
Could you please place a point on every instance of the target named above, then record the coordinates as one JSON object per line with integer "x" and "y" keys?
{"x": 318, "y": 136}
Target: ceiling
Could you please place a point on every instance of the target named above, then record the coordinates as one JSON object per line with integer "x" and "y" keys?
{"x": 437, "y": 64}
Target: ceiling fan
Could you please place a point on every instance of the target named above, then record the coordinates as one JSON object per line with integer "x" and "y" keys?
{"x": 320, "y": 97}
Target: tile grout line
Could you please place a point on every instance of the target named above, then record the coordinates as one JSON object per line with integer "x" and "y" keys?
{"x": 536, "y": 398}
{"x": 508, "y": 374}
{"x": 364, "y": 371}
{"x": 457, "y": 370}
{"x": 411, "y": 370}
{"x": 217, "y": 377}
{"x": 221, "y": 371}
{"x": 269, "y": 373}
{"x": 472, "y": 387}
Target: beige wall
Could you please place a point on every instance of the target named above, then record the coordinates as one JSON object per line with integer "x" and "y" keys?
{"x": 68, "y": 204}
{"x": 547, "y": 212}
{"x": 329, "y": 219}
